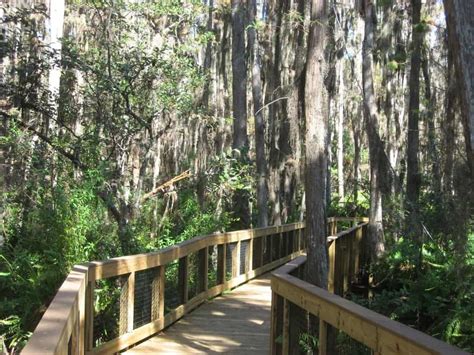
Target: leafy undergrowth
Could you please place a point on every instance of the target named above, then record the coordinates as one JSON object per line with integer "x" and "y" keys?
{"x": 432, "y": 292}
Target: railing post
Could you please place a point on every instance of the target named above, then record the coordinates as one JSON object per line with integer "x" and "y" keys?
{"x": 221, "y": 261}
{"x": 357, "y": 248}
{"x": 257, "y": 252}
{"x": 236, "y": 260}
{"x": 73, "y": 345}
{"x": 89, "y": 316}
{"x": 286, "y": 327}
{"x": 249, "y": 256}
{"x": 127, "y": 301}
{"x": 158, "y": 294}
{"x": 332, "y": 266}
{"x": 183, "y": 279}
{"x": 203, "y": 266}
{"x": 273, "y": 323}
{"x": 346, "y": 261}
{"x": 323, "y": 337}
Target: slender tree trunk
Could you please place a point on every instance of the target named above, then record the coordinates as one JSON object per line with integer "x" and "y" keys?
{"x": 55, "y": 24}
{"x": 413, "y": 170}
{"x": 430, "y": 117}
{"x": 262, "y": 188}
{"x": 460, "y": 24}
{"x": 449, "y": 127}
{"x": 356, "y": 136}
{"x": 340, "y": 134}
{"x": 207, "y": 58}
{"x": 375, "y": 229}
{"x": 239, "y": 103}
{"x": 316, "y": 148}
{"x": 273, "y": 96}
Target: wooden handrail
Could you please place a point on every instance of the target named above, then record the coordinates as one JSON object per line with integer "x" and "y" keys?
{"x": 377, "y": 332}
{"x": 67, "y": 325}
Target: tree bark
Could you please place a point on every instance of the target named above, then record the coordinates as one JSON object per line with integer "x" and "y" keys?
{"x": 433, "y": 153}
{"x": 375, "y": 228}
{"x": 316, "y": 148}
{"x": 460, "y": 24}
{"x": 340, "y": 134}
{"x": 449, "y": 127}
{"x": 261, "y": 161}
{"x": 413, "y": 170}
{"x": 239, "y": 103}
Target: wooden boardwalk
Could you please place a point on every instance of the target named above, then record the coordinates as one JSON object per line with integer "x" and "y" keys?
{"x": 237, "y": 322}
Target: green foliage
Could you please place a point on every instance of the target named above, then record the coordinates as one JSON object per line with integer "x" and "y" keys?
{"x": 61, "y": 229}
{"x": 436, "y": 297}
{"x": 308, "y": 343}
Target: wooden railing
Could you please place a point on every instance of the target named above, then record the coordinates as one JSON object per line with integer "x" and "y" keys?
{"x": 293, "y": 299}
{"x": 68, "y": 324}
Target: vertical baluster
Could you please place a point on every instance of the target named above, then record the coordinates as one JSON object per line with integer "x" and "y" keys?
{"x": 158, "y": 294}
{"x": 273, "y": 323}
{"x": 73, "y": 344}
{"x": 357, "y": 248}
{"x": 249, "y": 256}
{"x": 346, "y": 262}
{"x": 323, "y": 337}
{"x": 236, "y": 260}
{"x": 286, "y": 327}
{"x": 221, "y": 261}
{"x": 270, "y": 244}
{"x": 338, "y": 267}
{"x": 127, "y": 301}
{"x": 89, "y": 316}
{"x": 257, "y": 252}
{"x": 183, "y": 279}
{"x": 299, "y": 239}
{"x": 203, "y": 265}
{"x": 332, "y": 266}
{"x": 81, "y": 321}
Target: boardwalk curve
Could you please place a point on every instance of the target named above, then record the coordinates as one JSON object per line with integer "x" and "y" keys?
{"x": 238, "y": 322}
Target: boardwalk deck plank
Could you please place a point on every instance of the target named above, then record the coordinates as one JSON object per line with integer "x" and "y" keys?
{"x": 237, "y": 322}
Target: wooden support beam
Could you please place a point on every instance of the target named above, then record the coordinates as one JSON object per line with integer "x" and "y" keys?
{"x": 158, "y": 293}
{"x": 183, "y": 279}
{"x": 221, "y": 263}
{"x": 286, "y": 327}
{"x": 323, "y": 337}
{"x": 249, "y": 257}
{"x": 332, "y": 266}
{"x": 274, "y": 321}
{"x": 236, "y": 259}
{"x": 257, "y": 251}
{"x": 203, "y": 270}
{"x": 127, "y": 301}
{"x": 89, "y": 316}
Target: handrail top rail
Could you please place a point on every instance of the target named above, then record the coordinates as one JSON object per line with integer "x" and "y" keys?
{"x": 363, "y": 314}
{"x": 138, "y": 262}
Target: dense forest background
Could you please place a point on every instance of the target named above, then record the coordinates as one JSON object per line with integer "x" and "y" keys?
{"x": 131, "y": 125}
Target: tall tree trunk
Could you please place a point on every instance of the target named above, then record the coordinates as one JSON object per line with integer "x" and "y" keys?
{"x": 316, "y": 148}
{"x": 239, "y": 103}
{"x": 375, "y": 229}
{"x": 55, "y": 24}
{"x": 460, "y": 24}
{"x": 261, "y": 162}
{"x": 273, "y": 98}
{"x": 430, "y": 98}
{"x": 207, "y": 58}
{"x": 413, "y": 170}
{"x": 340, "y": 134}
{"x": 449, "y": 127}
